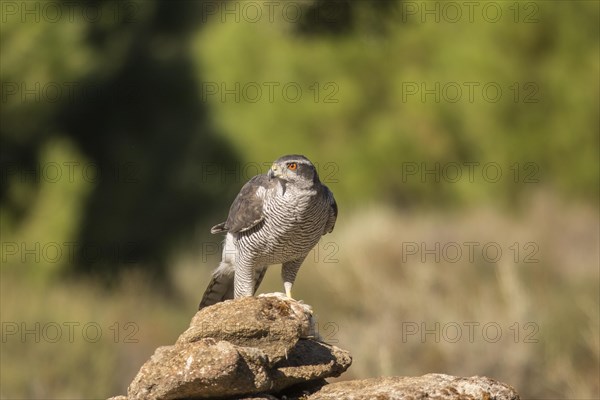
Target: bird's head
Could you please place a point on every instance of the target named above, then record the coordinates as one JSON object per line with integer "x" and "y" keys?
{"x": 295, "y": 169}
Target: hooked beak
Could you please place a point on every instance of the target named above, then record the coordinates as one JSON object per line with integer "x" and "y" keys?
{"x": 272, "y": 172}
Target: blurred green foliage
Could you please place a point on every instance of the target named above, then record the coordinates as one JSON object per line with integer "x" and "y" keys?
{"x": 397, "y": 102}
{"x": 121, "y": 95}
{"x": 375, "y": 117}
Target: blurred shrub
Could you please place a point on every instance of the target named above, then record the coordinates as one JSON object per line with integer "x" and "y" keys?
{"x": 119, "y": 96}
{"x": 388, "y": 93}
{"x": 176, "y": 104}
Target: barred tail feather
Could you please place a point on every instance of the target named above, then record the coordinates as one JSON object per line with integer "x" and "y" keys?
{"x": 219, "y": 289}
{"x": 259, "y": 274}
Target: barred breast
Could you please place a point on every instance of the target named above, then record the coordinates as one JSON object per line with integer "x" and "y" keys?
{"x": 294, "y": 222}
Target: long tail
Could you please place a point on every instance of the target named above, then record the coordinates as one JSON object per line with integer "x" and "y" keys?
{"x": 221, "y": 287}
{"x": 259, "y": 274}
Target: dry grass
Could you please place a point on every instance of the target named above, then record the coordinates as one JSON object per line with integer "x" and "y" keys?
{"x": 366, "y": 295}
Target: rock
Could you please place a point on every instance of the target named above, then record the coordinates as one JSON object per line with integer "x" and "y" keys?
{"x": 265, "y": 348}
{"x": 240, "y": 348}
{"x": 430, "y": 386}
{"x": 270, "y": 323}
{"x": 310, "y": 360}
{"x": 202, "y": 369}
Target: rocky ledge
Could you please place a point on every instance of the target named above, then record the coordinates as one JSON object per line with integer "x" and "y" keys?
{"x": 266, "y": 347}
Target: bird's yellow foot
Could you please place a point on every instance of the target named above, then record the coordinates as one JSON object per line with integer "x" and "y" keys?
{"x": 288, "y": 289}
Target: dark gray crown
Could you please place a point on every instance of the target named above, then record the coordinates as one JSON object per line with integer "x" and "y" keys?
{"x": 299, "y": 158}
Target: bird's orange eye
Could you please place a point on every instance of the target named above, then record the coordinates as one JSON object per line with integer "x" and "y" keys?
{"x": 292, "y": 166}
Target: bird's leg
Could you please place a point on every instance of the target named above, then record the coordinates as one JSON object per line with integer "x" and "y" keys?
{"x": 288, "y": 273}
{"x": 288, "y": 289}
{"x": 243, "y": 281}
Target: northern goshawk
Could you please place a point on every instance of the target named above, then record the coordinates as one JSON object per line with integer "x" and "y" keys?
{"x": 277, "y": 218}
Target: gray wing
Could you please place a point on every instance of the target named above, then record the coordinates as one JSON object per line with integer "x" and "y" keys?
{"x": 333, "y": 211}
{"x": 247, "y": 209}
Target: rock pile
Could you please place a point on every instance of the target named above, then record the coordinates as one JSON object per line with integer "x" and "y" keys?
{"x": 266, "y": 347}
